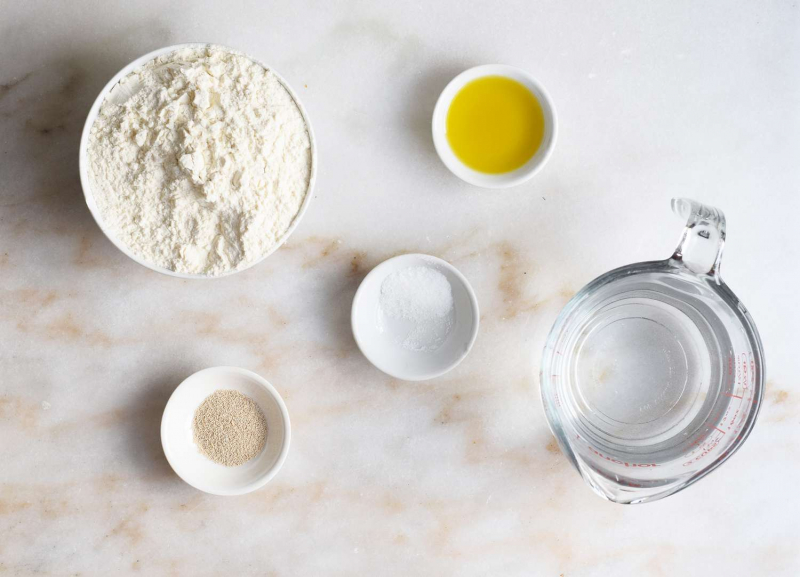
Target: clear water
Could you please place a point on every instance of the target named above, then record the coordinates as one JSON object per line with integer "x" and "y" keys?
{"x": 645, "y": 367}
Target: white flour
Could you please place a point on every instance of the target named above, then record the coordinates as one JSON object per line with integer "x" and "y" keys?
{"x": 205, "y": 167}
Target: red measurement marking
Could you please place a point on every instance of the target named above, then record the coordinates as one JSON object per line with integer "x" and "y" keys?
{"x": 734, "y": 396}
{"x": 720, "y": 430}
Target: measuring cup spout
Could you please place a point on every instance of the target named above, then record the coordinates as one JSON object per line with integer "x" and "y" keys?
{"x": 702, "y": 239}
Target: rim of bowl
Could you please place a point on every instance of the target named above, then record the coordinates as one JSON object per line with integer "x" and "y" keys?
{"x": 483, "y": 179}
{"x": 270, "y": 473}
{"x": 473, "y": 299}
{"x": 83, "y": 162}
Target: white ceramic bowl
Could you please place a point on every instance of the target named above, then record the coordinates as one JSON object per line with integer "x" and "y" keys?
{"x": 84, "y": 161}
{"x": 199, "y": 471}
{"x": 384, "y": 349}
{"x": 483, "y": 179}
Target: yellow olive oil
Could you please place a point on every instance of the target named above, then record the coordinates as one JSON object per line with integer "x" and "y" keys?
{"x": 495, "y": 124}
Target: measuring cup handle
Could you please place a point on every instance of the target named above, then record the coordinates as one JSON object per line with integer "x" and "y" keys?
{"x": 700, "y": 247}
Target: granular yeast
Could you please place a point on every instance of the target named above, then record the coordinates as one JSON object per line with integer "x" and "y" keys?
{"x": 229, "y": 428}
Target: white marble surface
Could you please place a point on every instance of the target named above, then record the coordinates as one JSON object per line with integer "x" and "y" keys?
{"x": 456, "y": 476}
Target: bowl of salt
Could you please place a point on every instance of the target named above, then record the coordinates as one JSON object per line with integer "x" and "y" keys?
{"x": 415, "y": 317}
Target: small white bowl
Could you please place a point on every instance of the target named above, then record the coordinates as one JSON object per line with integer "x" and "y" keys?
{"x": 383, "y": 345}
{"x": 483, "y": 179}
{"x": 177, "y": 437}
{"x": 83, "y": 163}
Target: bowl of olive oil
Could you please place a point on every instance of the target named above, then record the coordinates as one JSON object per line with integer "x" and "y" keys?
{"x": 494, "y": 126}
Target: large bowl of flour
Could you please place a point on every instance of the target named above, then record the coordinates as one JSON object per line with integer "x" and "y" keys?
{"x": 197, "y": 161}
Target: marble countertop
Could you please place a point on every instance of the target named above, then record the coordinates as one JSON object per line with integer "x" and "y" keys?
{"x": 454, "y": 476}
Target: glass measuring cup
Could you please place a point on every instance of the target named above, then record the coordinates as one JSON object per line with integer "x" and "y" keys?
{"x": 652, "y": 375}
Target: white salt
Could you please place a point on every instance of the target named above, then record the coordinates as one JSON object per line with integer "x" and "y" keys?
{"x": 423, "y": 298}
